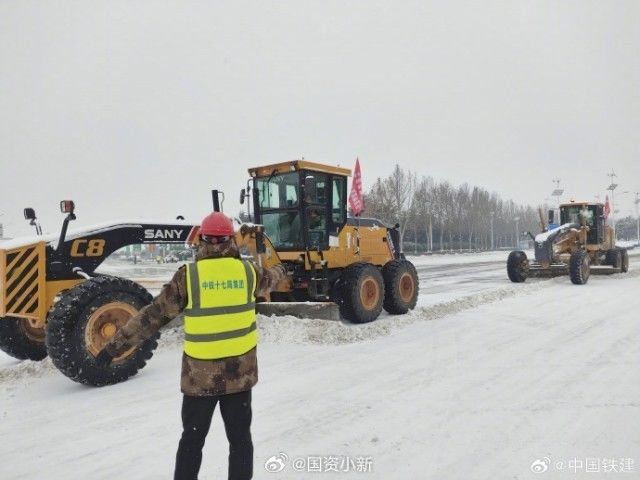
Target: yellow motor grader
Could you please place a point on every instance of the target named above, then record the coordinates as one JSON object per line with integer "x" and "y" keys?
{"x": 583, "y": 244}
{"x": 52, "y": 301}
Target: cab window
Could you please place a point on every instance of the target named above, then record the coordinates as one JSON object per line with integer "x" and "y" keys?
{"x": 317, "y": 194}
{"x": 338, "y": 200}
{"x": 281, "y": 191}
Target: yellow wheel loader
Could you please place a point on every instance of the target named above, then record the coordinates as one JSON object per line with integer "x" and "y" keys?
{"x": 580, "y": 246}
{"x": 52, "y": 301}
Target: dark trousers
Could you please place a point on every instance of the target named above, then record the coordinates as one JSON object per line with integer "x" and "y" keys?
{"x": 196, "y": 419}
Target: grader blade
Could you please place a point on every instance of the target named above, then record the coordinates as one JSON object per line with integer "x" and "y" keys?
{"x": 319, "y": 310}
{"x": 554, "y": 270}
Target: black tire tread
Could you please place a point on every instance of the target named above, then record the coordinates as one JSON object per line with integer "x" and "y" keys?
{"x": 75, "y": 361}
{"x": 514, "y": 266}
{"x": 624, "y": 260}
{"x": 613, "y": 257}
{"x": 575, "y": 267}
{"x": 13, "y": 342}
{"x": 391, "y": 273}
{"x": 349, "y": 300}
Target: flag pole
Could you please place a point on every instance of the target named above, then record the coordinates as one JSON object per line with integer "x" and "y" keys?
{"x": 357, "y": 234}
{"x": 356, "y": 201}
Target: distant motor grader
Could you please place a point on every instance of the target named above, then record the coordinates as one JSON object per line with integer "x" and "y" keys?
{"x": 583, "y": 244}
{"x": 53, "y": 302}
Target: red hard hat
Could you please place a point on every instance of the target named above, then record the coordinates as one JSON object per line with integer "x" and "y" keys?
{"x": 216, "y": 224}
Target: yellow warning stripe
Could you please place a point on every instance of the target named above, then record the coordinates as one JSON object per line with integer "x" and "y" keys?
{"x": 15, "y": 261}
{"x": 11, "y": 291}
{"x": 26, "y": 308}
{"x": 24, "y": 292}
{"x": 15, "y": 273}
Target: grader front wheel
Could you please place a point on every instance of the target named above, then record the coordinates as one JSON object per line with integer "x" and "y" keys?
{"x": 21, "y": 339}
{"x": 517, "y": 266}
{"x": 85, "y": 319}
{"x": 579, "y": 267}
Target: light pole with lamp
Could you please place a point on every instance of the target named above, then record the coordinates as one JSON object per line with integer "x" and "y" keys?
{"x": 557, "y": 192}
{"x": 618, "y": 210}
{"x": 612, "y": 186}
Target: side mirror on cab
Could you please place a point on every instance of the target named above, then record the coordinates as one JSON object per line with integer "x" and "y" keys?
{"x": 29, "y": 214}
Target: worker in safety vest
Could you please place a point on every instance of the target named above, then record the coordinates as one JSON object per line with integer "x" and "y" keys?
{"x": 217, "y": 295}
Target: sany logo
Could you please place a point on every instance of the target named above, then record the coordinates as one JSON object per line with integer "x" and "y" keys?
{"x": 164, "y": 234}
{"x": 540, "y": 466}
{"x": 275, "y": 463}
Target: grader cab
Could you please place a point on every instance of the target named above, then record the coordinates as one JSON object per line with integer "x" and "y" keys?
{"x": 582, "y": 245}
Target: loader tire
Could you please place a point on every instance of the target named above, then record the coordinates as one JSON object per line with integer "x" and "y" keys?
{"x": 361, "y": 293}
{"x": 614, "y": 257}
{"x": 83, "y": 321}
{"x": 401, "y": 286}
{"x": 21, "y": 340}
{"x": 517, "y": 266}
{"x": 624, "y": 260}
{"x": 579, "y": 267}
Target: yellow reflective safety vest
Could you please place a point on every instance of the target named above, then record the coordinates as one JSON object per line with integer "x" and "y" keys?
{"x": 220, "y": 317}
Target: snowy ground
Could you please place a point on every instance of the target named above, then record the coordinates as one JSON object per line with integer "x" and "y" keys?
{"x": 481, "y": 380}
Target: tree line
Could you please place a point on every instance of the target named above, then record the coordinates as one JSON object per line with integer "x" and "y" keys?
{"x": 436, "y": 215}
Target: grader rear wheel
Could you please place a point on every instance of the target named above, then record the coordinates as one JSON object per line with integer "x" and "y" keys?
{"x": 614, "y": 257}
{"x": 361, "y": 293}
{"x": 401, "y": 286}
{"x": 85, "y": 319}
{"x": 22, "y": 339}
{"x": 624, "y": 262}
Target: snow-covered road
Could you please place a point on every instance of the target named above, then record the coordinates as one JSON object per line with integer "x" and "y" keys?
{"x": 481, "y": 380}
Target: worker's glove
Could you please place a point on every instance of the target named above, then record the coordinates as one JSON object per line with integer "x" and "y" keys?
{"x": 104, "y": 358}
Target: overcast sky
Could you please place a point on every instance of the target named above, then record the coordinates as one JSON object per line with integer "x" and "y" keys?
{"x": 140, "y": 108}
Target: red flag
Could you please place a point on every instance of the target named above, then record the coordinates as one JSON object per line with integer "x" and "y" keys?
{"x": 607, "y": 208}
{"x": 356, "y": 201}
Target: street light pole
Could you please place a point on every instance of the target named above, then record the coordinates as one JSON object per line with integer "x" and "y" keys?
{"x": 637, "y": 202}
{"x": 492, "y": 214}
{"x": 557, "y": 192}
{"x": 612, "y": 186}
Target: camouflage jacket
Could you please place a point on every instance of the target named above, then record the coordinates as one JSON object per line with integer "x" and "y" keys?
{"x": 199, "y": 377}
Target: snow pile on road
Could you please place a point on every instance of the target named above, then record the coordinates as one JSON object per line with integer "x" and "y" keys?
{"x": 26, "y": 368}
{"x": 288, "y": 330}
{"x": 293, "y": 330}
